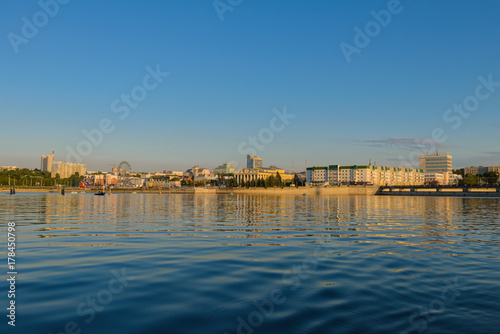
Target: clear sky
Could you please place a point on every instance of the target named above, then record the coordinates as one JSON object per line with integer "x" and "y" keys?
{"x": 231, "y": 66}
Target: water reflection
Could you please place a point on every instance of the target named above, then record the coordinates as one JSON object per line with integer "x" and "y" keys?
{"x": 201, "y": 261}
{"x": 367, "y": 218}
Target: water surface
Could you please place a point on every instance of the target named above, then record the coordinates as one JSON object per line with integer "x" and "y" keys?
{"x": 134, "y": 263}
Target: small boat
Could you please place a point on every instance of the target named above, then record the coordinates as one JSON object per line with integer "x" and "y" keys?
{"x": 100, "y": 193}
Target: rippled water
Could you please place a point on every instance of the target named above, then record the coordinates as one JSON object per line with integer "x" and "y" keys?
{"x": 134, "y": 263}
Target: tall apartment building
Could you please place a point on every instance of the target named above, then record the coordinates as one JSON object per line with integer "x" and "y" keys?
{"x": 369, "y": 174}
{"x": 46, "y": 164}
{"x": 66, "y": 169}
{"x": 436, "y": 162}
{"x": 481, "y": 170}
{"x": 254, "y": 162}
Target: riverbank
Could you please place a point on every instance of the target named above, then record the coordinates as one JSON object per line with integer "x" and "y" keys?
{"x": 309, "y": 191}
{"x": 343, "y": 190}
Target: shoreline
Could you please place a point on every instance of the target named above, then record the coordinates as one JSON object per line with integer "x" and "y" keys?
{"x": 343, "y": 190}
{"x": 309, "y": 191}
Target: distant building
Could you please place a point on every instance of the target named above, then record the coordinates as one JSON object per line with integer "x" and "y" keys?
{"x": 227, "y": 168}
{"x": 368, "y": 174}
{"x": 173, "y": 172}
{"x": 254, "y": 174}
{"x": 441, "y": 178}
{"x": 46, "y": 163}
{"x": 66, "y": 169}
{"x": 436, "y": 162}
{"x": 8, "y": 168}
{"x": 481, "y": 170}
{"x": 253, "y": 162}
{"x": 197, "y": 171}
{"x": 158, "y": 182}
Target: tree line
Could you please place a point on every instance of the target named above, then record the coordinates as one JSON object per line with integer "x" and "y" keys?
{"x": 35, "y": 177}
{"x": 490, "y": 178}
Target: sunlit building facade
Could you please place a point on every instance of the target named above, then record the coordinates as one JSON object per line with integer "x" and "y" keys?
{"x": 253, "y": 174}
{"x": 368, "y": 174}
{"x": 253, "y": 162}
{"x": 436, "y": 162}
{"x": 46, "y": 163}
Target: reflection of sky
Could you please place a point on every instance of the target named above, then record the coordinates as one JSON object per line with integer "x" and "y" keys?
{"x": 87, "y": 220}
{"x": 211, "y": 256}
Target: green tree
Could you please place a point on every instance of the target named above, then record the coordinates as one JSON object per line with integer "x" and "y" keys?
{"x": 491, "y": 177}
{"x": 471, "y": 180}
{"x": 278, "y": 180}
{"x": 271, "y": 181}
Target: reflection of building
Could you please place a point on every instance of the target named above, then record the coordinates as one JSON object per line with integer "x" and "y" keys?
{"x": 227, "y": 168}
{"x": 376, "y": 175}
{"x": 46, "y": 165}
{"x": 253, "y": 162}
{"x": 436, "y": 162}
{"x": 481, "y": 170}
{"x": 254, "y": 174}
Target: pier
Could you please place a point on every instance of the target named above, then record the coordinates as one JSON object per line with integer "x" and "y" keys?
{"x": 456, "y": 191}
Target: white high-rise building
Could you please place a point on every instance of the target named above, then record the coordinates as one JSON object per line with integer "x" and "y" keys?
{"x": 66, "y": 169}
{"x": 46, "y": 163}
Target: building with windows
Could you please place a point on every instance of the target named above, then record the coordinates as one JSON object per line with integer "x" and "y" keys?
{"x": 66, "y": 169}
{"x": 46, "y": 163}
{"x": 197, "y": 171}
{"x": 441, "y": 179}
{"x": 253, "y": 174}
{"x": 227, "y": 168}
{"x": 436, "y": 162}
{"x": 481, "y": 170}
{"x": 253, "y": 162}
{"x": 317, "y": 175}
{"x": 368, "y": 174}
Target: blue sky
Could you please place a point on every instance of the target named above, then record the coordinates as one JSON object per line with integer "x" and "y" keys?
{"x": 227, "y": 76}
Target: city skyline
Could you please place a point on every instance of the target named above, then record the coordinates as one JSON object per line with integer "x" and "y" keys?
{"x": 201, "y": 84}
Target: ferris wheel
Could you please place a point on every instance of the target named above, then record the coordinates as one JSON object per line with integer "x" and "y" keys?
{"x": 124, "y": 167}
